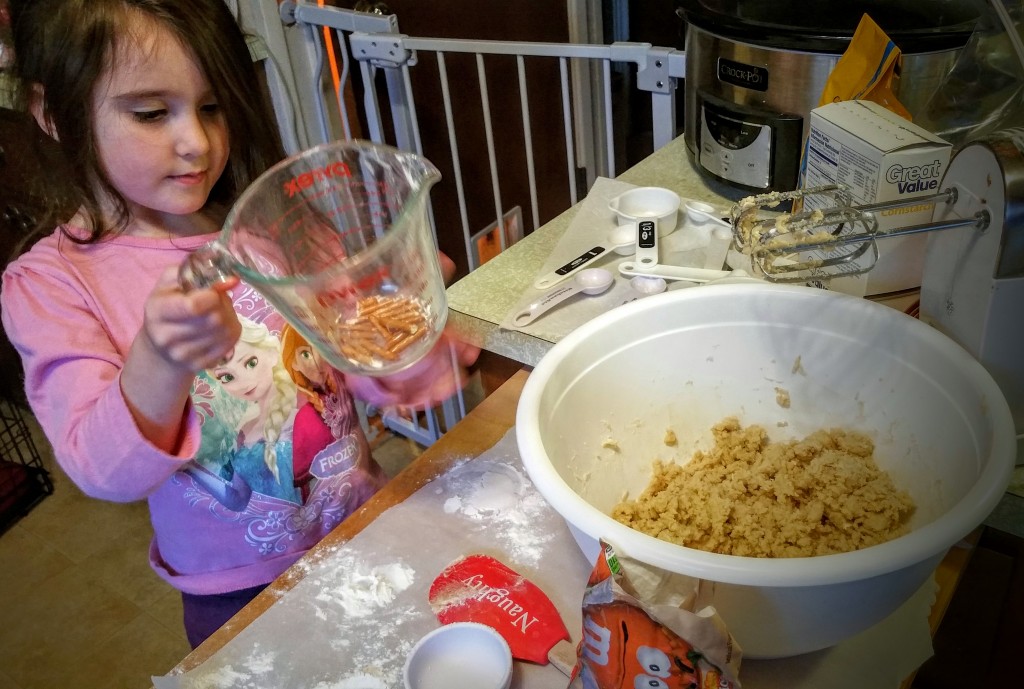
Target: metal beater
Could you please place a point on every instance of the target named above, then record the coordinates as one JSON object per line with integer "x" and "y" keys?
{"x": 973, "y": 280}
{"x": 838, "y": 240}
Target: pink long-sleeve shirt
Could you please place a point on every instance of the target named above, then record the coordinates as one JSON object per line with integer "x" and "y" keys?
{"x": 262, "y": 473}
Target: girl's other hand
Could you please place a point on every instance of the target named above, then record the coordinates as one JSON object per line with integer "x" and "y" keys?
{"x": 441, "y": 373}
{"x": 447, "y": 267}
{"x": 191, "y": 330}
{"x": 431, "y": 380}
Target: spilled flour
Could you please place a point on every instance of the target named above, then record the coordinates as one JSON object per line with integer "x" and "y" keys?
{"x": 371, "y": 617}
{"x": 253, "y": 673}
{"x": 503, "y": 497}
{"x": 362, "y": 594}
{"x": 358, "y": 607}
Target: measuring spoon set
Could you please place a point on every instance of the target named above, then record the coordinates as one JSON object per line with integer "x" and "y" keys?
{"x": 645, "y": 214}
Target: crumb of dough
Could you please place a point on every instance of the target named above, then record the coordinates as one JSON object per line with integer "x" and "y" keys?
{"x": 670, "y": 438}
{"x": 782, "y": 397}
{"x": 747, "y": 496}
{"x": 610, "y": 444}
{"x": 798, "y": 366}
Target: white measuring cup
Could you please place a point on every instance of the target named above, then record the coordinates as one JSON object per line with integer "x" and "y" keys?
{"x": 654, "y": 212}
{"x": 337, "y": 238}
{"x": 621, "y": 240}
{"x": 657, "y": 204}
{"x": 590, "y": 281}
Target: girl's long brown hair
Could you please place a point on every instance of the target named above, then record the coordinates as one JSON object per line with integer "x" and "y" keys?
{"x": 64, "y": 46}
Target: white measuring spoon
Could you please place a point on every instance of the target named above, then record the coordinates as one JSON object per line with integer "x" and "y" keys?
{"x": 700, "y": 212}
{"x": 646, "y": 285}
{"x": 590, "y": 281}
{"x": 678, "y": 272}
{"x": 621, "y": 240}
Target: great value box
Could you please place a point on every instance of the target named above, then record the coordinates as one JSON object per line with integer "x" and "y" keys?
{"x": 877, "y": 156}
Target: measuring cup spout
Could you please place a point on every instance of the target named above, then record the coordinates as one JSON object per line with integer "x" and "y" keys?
{"x": 204, "y": 267}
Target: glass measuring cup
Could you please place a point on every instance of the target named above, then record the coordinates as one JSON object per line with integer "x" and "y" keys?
{"x": 337, "y": 238}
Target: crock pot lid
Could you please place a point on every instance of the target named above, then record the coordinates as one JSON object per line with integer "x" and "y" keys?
{"x": 913, "y": 25}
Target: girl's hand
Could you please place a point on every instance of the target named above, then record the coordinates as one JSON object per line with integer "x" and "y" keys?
{"x": 435, "y": 377}
{"x": 190, "y": 330}
{"x": 439, "y": 374}
{"x": 182, "y": 333}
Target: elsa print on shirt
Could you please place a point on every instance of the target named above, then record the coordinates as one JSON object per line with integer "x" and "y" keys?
{"x": 255, "y": 453}
{"x": 253, "y": 372}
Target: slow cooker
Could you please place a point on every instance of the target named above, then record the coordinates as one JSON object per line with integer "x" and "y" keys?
{"x": 756, "y": 68}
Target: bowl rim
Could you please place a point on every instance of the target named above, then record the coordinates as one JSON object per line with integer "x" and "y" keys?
{"x": 928, "y": 541}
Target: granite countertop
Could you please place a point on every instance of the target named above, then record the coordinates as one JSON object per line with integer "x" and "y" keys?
{"x": 480, "y": 301}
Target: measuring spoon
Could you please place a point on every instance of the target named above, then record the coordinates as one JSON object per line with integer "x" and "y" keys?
{"x": 621, "y": 240}
{"x": 700, "y": 212}
{"x": 589, "y": 281}
{"x": 678, "y": 272}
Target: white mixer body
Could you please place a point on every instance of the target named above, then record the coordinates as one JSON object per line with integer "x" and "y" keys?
{"x": 973, "y": 281}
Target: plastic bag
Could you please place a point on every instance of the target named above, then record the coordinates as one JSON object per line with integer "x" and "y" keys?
{"x": 866, "y": 70}
{"x": 984, "y": 90}
{"x": 651, "y": 639}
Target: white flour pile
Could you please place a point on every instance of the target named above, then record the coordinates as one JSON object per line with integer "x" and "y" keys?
{"x": 500, "y": 495}
{"x": 360, "y": 594}
{"x": 251, "y": 675}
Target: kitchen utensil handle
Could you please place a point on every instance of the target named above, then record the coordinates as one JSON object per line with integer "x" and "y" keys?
{"x": 564, "y": 657}
{"x": 646, "y": 242}
{"x": 544, "y": 303}
{"x": 673, "y": 272}
{"x": 572, "y": 267}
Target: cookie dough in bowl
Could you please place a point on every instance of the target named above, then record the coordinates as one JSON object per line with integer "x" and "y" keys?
{"x": 596, "y": 412}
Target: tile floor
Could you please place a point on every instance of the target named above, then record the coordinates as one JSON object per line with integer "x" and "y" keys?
{"x": 80, "y": 607}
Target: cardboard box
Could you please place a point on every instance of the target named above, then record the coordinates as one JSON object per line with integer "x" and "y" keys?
{"x": 878, "y": 156}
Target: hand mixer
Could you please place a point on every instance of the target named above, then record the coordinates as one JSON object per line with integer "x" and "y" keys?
{"x": 973, "y": 279}
{"x": 838, "y": 240}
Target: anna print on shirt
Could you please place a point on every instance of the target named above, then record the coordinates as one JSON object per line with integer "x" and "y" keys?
{"x": 281, "y": 448}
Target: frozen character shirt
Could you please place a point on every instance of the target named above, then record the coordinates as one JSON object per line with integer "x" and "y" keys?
{"x": 271, "y": 455}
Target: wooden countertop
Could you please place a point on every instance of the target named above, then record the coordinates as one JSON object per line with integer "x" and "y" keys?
{"x": 477, "y": 432}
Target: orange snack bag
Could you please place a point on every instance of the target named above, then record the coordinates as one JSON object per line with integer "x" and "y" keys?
{"x": 625, "y": 646}
{"x": 866, "y": 70}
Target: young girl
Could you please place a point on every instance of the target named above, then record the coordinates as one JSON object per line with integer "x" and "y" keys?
{"x": 158, "y": 108}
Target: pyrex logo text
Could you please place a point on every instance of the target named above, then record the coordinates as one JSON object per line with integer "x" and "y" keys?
{"x": 306, "y": 179}
{"x": 914, "y": 179}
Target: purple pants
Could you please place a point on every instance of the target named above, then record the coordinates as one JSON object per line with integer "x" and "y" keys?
{"x": 206, "y": 614}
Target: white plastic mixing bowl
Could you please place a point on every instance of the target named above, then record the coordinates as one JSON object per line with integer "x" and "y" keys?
{"x": 684, "y": 360}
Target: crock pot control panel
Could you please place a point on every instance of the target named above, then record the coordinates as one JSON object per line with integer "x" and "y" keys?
{"x": 751, "y": 148}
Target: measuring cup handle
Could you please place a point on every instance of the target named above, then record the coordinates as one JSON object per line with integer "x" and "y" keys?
{"x": 204, "y": 267}
{"x": 647, "y": 242}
